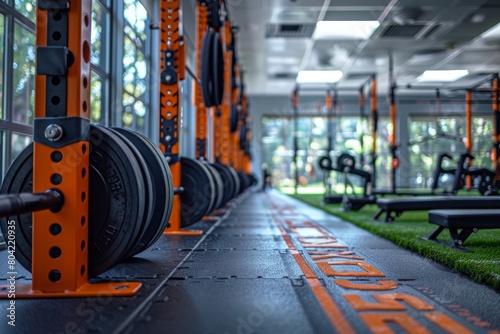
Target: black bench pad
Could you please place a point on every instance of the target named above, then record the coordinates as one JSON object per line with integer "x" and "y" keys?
{"x": 399, "y": 205}
{"x": 357, "y": 203}
{"x": 467, "y": 221}
{"x": 466, "y": 218}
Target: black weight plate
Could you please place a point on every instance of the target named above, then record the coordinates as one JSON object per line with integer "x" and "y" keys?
{"x": 213, "y": 188}
{"x": 112, "y": 204}
{"x": 243, "y": 181}
{"x": 219, "y": 186}
{"x": 169, "y": 203}
{"x": 198, "y": 195}
{"x": 227, "y": 181}
{"x": 113, "y": 207}
{"x": 164, "y": 195}
{"x": 207, "y": 75}
{"x": 249, "y": 180}
{"x": 218, "y": 69}
{"x": 144, "y": 180}
{"x": 236, "y": 179}
{"x": 234, "y": 63}
{"x": 233, "y": 120}
{"x": 147, "y": 180}
{"x": 253, "y": 179}
{"x": 162, "y": 188}
{"x": 243, "y": 136}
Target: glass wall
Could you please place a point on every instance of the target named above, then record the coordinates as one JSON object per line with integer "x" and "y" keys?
{"x": 277, "y": 149}
{"x": 431, "y": 137}
{"x": 135, "y": 67}
{"x": 23, "y": 66}
{"x": 18, "y": 142}
{"x": 17, "y": 78}
{"x": 26, "y": 8}
{"x": 2, "y": 78}
{"x": 100, "y": 69}
{"x": 349, "y": 135}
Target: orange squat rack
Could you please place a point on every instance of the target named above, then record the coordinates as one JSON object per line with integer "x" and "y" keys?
{"x": 67, "y": 229}
{"x": 201, "y": 109}
{"x": 247, "y": 162}
{"x": 173, "y": 67}
{"x": 237, "y": 154}
{"x": 496, "y": 128}
{"x": 222, "y": 133}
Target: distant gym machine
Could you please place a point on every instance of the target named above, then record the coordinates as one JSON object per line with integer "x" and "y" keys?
{"x": 345, "y": 163}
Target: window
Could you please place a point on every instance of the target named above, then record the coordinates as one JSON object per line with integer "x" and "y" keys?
{"x": 135, "y": 99}
{"x": 26, "y": 8}
{"x": 188, "y": 119}
{"x": 383, "y": 164}
{"x": 482, "y": 128}
{"x": 100, "y": 70}
{"x": 18, "y": 142}
{"x": 136, "y": 16}
{"x": 277, "y": 148}
{"x": 96, "y": 97}
{"x": 17, "y": 79}
{"x": 99, "y": 38}
{"x": 349, "y": 135}
{"x": 430, "y": 138}
{"x": 23, "y": 99}
{"x": 2, "y": 74}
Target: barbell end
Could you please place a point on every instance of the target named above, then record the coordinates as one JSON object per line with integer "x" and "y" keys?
{"x": 14, "y": 204}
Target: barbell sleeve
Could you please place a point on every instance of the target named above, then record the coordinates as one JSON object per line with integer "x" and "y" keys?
{"x": 15, "y": 204}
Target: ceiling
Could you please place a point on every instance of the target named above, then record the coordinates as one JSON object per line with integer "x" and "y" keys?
{"x": 275, "y": 41}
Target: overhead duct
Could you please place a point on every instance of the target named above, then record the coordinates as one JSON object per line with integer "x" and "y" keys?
{"x": 289, "y": 30}
{"x": 406, "y": 15}
{"x": 406, "y": 31}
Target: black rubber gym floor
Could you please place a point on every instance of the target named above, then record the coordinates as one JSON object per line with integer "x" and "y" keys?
{"x": 271, "y": 265}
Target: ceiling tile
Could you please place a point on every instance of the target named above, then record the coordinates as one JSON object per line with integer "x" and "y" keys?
{"x": 454, "y": 43}
{"x": 352, "y": 15}
{"x": 360, "y": 3}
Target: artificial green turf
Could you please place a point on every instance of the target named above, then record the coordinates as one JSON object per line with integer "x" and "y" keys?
{"x": 482, "y": 264}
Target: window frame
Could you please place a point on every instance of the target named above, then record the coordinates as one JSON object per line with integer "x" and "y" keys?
{"x": 7, "y": 126}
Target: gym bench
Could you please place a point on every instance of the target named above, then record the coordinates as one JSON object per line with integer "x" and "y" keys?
{"x": 467, "y": 221}
{"x": 394, "y": 207}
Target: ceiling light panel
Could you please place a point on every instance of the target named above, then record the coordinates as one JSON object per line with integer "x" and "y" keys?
{"x": 344, "y": 30}
{"x": 318, "y": 77}
{"x": 442, "y": 76}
